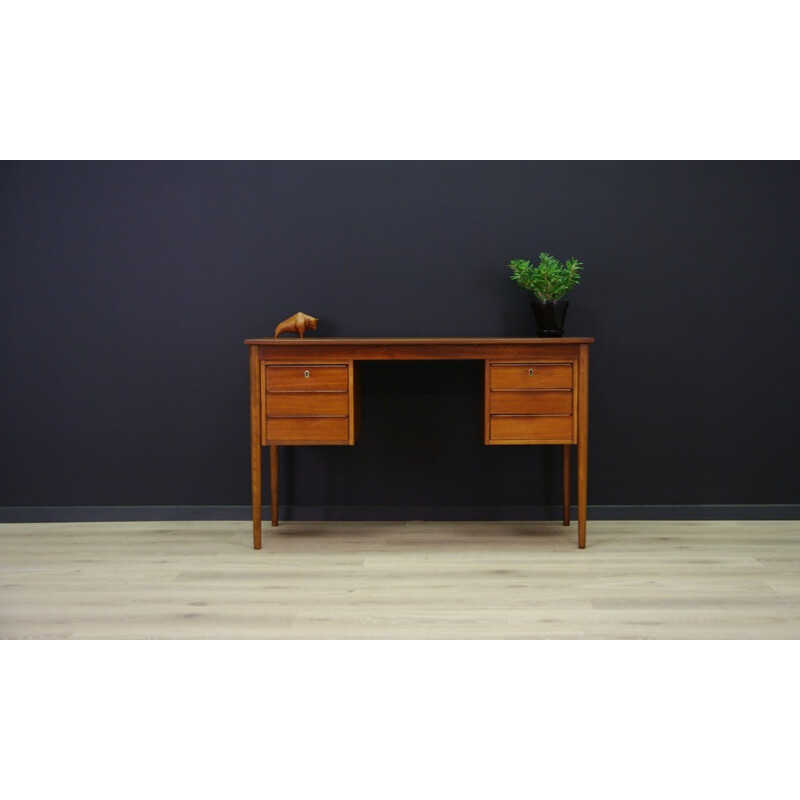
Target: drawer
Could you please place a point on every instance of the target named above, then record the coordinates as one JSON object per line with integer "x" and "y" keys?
{"x": 307, "y": 404}
{"x": 308, "y": 430}
{"x": 558, "y": 401}
{"x": 530, "y": 376}
{"x": 307, "y": 378}
{"x": 530, "y": 428}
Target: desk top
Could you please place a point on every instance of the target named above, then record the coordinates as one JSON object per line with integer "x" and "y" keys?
{"x": 416, "y": 342}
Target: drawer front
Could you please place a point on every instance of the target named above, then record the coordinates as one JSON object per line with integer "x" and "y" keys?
{"x": 308, "y": 430}
{"x": 307, "y": 378}
{"x": 541, "y": 402}
{"x": 307, "y": 404}
{"x": 530, "y": 429}
{"x": 530, "y": 376}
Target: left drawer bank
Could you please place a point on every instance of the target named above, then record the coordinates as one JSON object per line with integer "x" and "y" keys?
{"x": 308, "y": 404}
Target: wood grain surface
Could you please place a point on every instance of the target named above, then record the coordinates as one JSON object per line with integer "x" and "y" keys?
{"x": 558, "y": 401}
{"x": 530, "y": 376}
{"x": 307, "y": 378}
{"x": 530, "y": 429}
{"x": 313, "y": 404}
{"x": 308, "y": 430}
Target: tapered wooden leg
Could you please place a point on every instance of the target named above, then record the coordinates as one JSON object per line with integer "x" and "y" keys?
{"x": 255, "y": 471}
{"x": 582, "y": 462}
{"x": 273, "y": 482}
{"x": 583, "y": 440}
{"x": 255, "y": 445}
{"x": 566, "y": 487}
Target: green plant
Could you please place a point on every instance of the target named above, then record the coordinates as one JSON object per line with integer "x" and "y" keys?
{"x": 550, "y": 280}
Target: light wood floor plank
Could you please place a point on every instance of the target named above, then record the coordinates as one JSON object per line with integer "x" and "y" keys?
{"x": 395, "y": 580}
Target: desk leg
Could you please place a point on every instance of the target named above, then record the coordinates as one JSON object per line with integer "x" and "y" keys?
{"x": 255, "y": 445}
{"x": 567, "y": 448}
{"x": 582, "y": 461}
{"x": 273, "y": 482}
{"x": 255, "y": 474}
{"x": 583, "y": 440}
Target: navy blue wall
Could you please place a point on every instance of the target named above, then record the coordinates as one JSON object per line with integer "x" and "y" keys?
{"x": 126, "y": 290}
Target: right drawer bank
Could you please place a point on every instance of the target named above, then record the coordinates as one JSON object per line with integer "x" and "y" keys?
{"x": 531, "y": 402}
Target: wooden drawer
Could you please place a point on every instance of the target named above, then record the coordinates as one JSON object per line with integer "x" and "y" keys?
{"x": 530, "y": 429}
{"x": 307, "y": 404}
{"x": 558, "y": 401}
{"x": 307, "y": 378}
{"x": 308, "y": 430}
{"x": 530, "y": 376}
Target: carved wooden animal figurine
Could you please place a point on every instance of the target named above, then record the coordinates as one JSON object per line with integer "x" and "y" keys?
{"x": 299, "y": 324}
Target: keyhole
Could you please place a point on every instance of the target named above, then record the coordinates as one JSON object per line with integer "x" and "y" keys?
{"x": 530, "y": 371}
{"x": 306, "y": 375}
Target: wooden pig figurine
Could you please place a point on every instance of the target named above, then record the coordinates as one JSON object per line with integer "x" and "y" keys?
{"x": 299, "y": 324}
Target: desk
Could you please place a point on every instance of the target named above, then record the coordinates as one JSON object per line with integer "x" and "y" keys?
{"x": 307, "y": 392}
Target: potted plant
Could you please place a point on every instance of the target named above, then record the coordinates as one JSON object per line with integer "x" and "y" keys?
{"x": 549, "y": 280}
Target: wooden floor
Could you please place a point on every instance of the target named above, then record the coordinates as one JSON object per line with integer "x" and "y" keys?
{"x": 377, "y": 580}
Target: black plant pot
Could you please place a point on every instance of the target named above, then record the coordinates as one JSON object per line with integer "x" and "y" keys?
{"x": 550, "y": 317}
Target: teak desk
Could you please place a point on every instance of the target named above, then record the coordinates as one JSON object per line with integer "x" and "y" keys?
{"x": 307, "y": 392}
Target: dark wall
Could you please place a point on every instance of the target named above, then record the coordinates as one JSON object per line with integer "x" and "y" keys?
{"x": 127, "y": 289}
